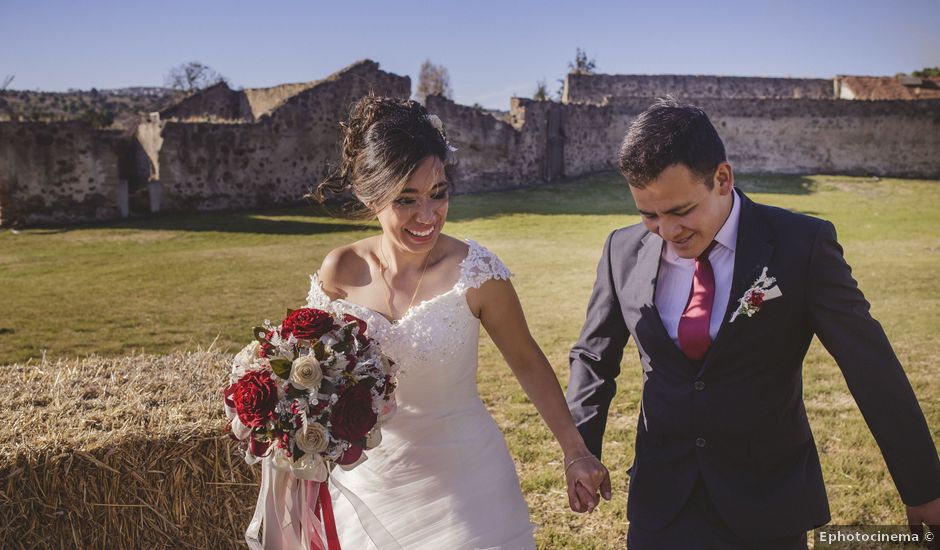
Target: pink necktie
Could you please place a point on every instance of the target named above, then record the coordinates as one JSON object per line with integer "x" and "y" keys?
{"x": 694, "y": 337}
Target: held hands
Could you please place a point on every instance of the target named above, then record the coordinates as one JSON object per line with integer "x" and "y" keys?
{"x": 586, "y": 476}
{"x": 929, "y": 514}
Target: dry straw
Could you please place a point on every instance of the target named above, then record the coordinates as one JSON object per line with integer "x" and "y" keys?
{"x": 123, "y": 452}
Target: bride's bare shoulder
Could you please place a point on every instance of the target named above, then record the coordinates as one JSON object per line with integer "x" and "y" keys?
{"x": 345, "y": 266}
{"x": 455, "y": 250}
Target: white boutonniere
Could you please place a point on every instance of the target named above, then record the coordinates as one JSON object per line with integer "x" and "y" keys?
{"x": 763, "y": 289}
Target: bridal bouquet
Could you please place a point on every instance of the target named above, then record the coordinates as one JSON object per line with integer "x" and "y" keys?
{"x": 311, "y": 392}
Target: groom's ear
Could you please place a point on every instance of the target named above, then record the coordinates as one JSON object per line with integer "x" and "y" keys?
{"x": 724, "y": 178}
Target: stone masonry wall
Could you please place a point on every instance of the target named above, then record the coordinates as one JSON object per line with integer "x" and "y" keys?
{"x": 226, "y": 149}
{"x": 221, "y": 103}
{"x": 491, "y": 153}
{"x": 215, "y": 103}
{"x": 261, "y": 101}
{"x": 595, "y": 88}
{"x": 206, "y": 166}
{"x": 57, "y": 172}
{"x": 887, "y": 138}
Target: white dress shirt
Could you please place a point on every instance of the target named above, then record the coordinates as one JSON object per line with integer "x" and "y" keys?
{"x": 675, "y": 277}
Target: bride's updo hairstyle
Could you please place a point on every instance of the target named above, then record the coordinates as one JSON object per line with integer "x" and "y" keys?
{"x": 384, "y": 141}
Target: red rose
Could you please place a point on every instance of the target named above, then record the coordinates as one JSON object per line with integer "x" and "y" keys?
{"x": 756, "y": 298}
{"x": 307, "y": 323}
{"x": 319, "y": 407}
{"x": 254, "y": 397}
{"x": 353, "y": 416}
{"x": 350, "y": 456}
{"x": 361, "y": 336}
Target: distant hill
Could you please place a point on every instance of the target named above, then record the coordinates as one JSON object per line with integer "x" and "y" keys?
{"x": 117, "y": 108}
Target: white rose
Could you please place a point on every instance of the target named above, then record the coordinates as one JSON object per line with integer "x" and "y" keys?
{"x": 305, "y": 373}
{"x": 312, "y": 438}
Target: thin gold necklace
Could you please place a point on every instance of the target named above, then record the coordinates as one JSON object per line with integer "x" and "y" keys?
{"x": 388, "y": 288}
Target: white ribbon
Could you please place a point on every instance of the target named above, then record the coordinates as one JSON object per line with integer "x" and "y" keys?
{"x": 281, "y": 508}
{"x": 283, "y": 511}
{"x": 381, "y": 538}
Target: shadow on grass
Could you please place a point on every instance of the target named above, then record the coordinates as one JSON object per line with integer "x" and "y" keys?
{"x": 298, "y": 220}
{"x": 593, "y": 195}
{"x": 598, "y": 195}
{"x": 301, "y": 220}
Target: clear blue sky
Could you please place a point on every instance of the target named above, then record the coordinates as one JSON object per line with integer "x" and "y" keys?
{"x": 491, "y": 49}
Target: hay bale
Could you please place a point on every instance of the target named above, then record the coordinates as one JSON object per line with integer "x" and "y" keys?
{"x": 123, "y": 452}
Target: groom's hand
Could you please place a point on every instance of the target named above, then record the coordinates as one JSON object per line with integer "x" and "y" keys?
{"x": 929, "y": 514}
{"x": 585, "y": 477}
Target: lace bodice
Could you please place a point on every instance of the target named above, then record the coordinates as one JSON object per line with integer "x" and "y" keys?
{"x": 435, "y": 340}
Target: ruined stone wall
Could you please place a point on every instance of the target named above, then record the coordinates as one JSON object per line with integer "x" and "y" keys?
{"x": 595, "y": 88}
{"x": 57, "y": 172}
{"x": 591, "y": 133}
{"x": 205, "y": 166}
{"x": 886, "y": 138}
{"x": 217, "y": 102}
{"x": 261, "y": 101}
{"x": 271, "y": 146}
{"x": 221, "y": 103}
{"x": 492, "y": 153}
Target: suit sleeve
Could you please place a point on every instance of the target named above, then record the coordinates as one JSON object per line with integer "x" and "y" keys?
{"x": 841, "y": 319}
{"x": 595, "y": 359}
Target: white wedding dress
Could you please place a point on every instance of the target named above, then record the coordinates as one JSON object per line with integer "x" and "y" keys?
{"x": 442, "y": 478}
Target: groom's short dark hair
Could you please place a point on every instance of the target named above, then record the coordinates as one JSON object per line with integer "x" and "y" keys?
{"x": 668, "y": 133}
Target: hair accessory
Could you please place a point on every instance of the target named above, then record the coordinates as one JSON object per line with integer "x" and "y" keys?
{"x": 439, "y": 126}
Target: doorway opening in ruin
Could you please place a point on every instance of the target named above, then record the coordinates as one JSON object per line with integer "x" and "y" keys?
{"x": 554, "y": 167}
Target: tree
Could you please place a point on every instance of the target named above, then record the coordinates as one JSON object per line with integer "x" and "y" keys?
{"x": 99, "y": 118}
{"x": 582, "y": 64}
{"x": 191, "y": 77}
{"x": 433, "y": 80}
{"x": 6, "y": 81}
{"x": 927, "y": 72}
{"x": 541, "y": 91}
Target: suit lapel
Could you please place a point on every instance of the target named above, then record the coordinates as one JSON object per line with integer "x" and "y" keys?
{"x": 753, "y": 251}
{"x": 643, "y": 277}
{"x": 642, "y": 283}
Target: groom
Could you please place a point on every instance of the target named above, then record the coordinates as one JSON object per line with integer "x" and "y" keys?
{"x": 722, "y": 296}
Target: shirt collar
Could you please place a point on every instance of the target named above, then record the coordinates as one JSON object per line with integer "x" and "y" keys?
{"x": 727, "y": 236}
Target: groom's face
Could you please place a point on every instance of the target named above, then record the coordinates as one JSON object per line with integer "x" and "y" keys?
{"x": 678, "y": 206}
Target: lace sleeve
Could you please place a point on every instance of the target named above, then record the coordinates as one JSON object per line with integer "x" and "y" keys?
{"x": 316, "y": 298}
{"x": 480, "y": 266}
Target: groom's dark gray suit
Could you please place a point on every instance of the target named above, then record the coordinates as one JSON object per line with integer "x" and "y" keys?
{"x": 736, "y": 421}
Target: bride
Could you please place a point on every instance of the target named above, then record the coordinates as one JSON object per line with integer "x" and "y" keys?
{"x": 442, "y": 477}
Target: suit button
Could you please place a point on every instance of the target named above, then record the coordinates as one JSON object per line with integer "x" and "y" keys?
{"x": 700, "y": 442}
{"x": 699, "y": 385}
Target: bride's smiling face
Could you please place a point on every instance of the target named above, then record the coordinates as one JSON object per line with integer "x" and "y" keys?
{"x": 414, "y": 219}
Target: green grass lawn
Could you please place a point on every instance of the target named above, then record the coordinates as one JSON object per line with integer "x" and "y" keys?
{"x": 182, "y": 282}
